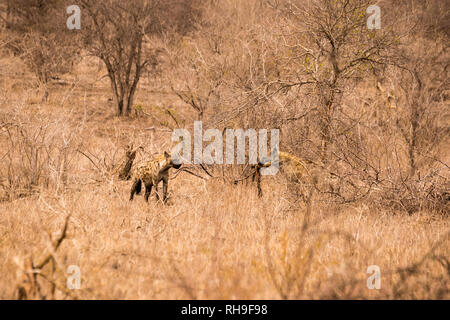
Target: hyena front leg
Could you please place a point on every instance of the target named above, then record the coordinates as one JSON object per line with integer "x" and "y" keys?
{"x": 256, "y": 176}
{"x": 148, "y": 190}
{"x": 258, "y": 182}
{"x": 165, "y": 187}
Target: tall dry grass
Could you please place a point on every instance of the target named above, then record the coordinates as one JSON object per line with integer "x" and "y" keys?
{"x": 213, "y": 240}
{"x": 222, "y": 242}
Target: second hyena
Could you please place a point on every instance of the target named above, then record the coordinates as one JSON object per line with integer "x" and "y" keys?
{"x": 295, "y": 170}
{"x": 150, "y": 173}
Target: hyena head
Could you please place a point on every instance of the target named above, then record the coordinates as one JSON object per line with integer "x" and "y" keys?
{"x": 169, "y": 160}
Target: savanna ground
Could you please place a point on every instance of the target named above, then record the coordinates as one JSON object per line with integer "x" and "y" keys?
{"x": 212, "y": 240}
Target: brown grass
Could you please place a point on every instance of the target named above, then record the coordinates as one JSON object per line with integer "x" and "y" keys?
{"x": 211, "y": 241}
{"x": 216, "y": 242}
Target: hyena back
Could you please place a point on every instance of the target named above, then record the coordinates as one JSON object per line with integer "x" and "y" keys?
{"x": 150, "y": 173}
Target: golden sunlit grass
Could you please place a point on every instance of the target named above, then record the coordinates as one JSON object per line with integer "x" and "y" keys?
{"x": 221, "y": 242}
{"x": 212, "y": 240}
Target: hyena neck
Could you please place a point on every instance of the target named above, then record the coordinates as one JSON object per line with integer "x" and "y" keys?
{"x": 165, "y": 168}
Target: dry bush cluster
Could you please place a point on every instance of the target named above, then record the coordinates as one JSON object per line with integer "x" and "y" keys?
{"x": 365, "y": 111}
{"x": 39, "y": 150}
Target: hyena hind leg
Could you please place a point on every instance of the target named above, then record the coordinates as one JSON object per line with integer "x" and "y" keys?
{"x": 148, "y": 191}
{"x": 135, "y": 188}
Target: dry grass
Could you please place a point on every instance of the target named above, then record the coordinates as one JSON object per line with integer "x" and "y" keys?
{"x": 216, "y": 242}
{"x": 211, "y": 241}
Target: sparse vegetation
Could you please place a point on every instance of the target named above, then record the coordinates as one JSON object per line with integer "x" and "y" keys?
{"x": 365, "y": 113}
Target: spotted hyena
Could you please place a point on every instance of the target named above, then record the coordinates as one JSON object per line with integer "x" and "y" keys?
{"x": 150, "y": 173}
{"x": 293, "y": 168}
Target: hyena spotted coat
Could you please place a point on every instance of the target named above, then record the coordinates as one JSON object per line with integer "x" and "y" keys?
{"x": 295, "y": 170}
{"x": 150, "y": 173}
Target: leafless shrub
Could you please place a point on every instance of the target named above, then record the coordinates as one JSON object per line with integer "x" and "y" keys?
{"x": 35, "y": 282}
{"x": 365, "y": 110}
{"x": 419, "y": 120}
{"x": 39, "y": 153}
{"x": 36, "y": 31}
{"x": 123, "y": 36}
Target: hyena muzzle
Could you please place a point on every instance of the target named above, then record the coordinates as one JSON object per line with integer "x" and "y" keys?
{"x": 150, "y": 173}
